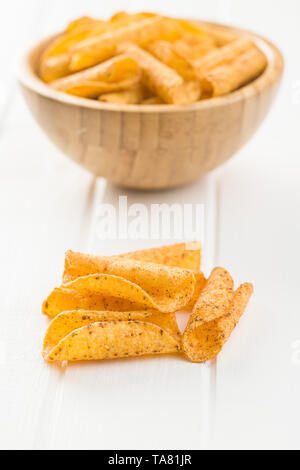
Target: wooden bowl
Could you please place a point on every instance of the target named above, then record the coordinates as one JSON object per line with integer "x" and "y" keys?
{"x": 157, "y": 146}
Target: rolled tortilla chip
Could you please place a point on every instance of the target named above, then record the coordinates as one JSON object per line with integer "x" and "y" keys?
{"x": 221, "y": 35}
{"x": 112, "y": 340}
{"x": 62, "y": 300}
{"x": 215, "y": 298}
{"x": 169, "y": 294}
{"x": 67, "y": 322}
{"x": 188, "y": 27}
{"x": 227, "y": 78}
{"x": 64, "y": 42}
{"x": 161, "y": 79}
{"x": 222, "y": 56}
{"x": 152, "y": 276}
{"x": 95, "y": 50}
{"x": 86, "y": 27}
{"x": 55, "y": 60}
{"x": 95, "y": 89}
{"x": 166, "y": 53}
{"x": 181, "y": 255}
{"x": 54, "y": 67}
{"x": 112, "y": 71}
{"x": 195, "y": 41}
{"x": 118, "y": 19}
{"x": 192, "y": 48}
{"x": 133, "y": 95}
{"x": 203, "y": 342}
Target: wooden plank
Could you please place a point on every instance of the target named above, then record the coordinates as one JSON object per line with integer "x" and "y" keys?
{"x": 258, "y": 372}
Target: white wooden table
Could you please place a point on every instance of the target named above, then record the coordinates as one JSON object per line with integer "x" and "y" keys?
{"x": 249, "y": 398}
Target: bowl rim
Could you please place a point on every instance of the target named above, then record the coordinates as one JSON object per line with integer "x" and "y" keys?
{"x": 29, "y": 79}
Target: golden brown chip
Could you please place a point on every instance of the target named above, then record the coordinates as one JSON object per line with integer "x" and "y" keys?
{"x": 161, "y": 79}
{"x": 227, "y": 78}
{"x": 204, "y": 341}
{"x": 95, "y": 50}
{"x": 62, "y": 300}
{"x": 117, "y": 73}
{"x": 169, "y": 290}
{"x": 155, "y": 286}
{"x": 194, "y": 41}
{"x": 67, "y": 322}
{"x": 222, "y": 56}
{"x": 76, "y": 32}
{"x": 54, "y": 67}
{"x": 111, "y": 340}
{"x": 205, "y": 57}
{"x": 189, "y": 27}
{"x": 64, "y": 42}
{"x": 166, "y": 321}
{"x": 220, "y": 34}
{"x": 215, "y": 298}
{"x": 94, "y": 89}
{"x": 166, "y": 53}
{"x": 192, "y": 47}
{"x": 56, "y": 59}
{"x": 132, "y": 267}
{"x": 181, "y": 255}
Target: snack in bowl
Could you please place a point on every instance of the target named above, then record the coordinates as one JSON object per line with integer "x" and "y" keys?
{"x": 134, "y": 128}
{"x": 125, "y": 306}
{"x": 118, "y": 73}
{"x": 173, "y": 61}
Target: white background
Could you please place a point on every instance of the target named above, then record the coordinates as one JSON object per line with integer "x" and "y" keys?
{"x": 248, "y": 398}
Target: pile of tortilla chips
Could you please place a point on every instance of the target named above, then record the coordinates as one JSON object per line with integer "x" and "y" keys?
{"x": 125, "y": 306}
{"x": 145, "y": 58}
